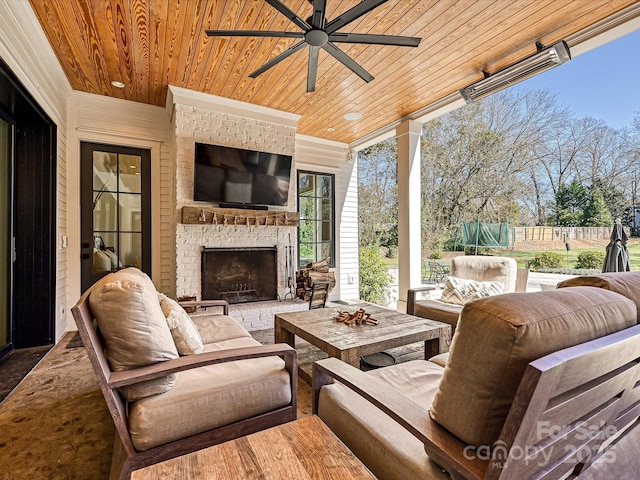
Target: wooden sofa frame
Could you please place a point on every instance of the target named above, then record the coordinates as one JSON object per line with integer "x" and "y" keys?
{"x": 125, "y": 457}
{"x": 585, "y": 397}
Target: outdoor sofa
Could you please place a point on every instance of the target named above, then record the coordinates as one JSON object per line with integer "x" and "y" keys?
{"x": 535, "y": 385}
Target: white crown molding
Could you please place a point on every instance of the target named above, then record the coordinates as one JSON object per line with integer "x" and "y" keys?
{"x": 321, "y": 143}
{"x": 183, "y": 96}
{"x": 605, "y": 31}
{"x": 26, "y": 49}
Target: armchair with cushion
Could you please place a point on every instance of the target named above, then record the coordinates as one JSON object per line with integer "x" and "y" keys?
{"x": 538, "y": 385}
{"x": 174, "y": 384}
{"x": 481, "y": 272}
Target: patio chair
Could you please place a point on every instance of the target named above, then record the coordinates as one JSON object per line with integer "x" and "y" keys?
{"x": 538, "y": 385}
{"x": 480, "y": 268}
{"x": 319, "y": 294}
{"x": 435, "y": 271}
{"x": 164, "y": 401}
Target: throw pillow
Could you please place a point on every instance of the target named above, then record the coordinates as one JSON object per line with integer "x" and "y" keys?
{"x": 114, "y": 259}
{"x": 135, "y": 331}
{"x": 460, "y": 291}
{"x": 101, "y": 261}
{"x": 184, "y": 332}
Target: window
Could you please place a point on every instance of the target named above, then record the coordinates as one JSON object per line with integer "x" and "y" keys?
{"x": 316, "y": 205}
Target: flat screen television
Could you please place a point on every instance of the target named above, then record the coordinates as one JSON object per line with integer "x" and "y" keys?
{"x": 235, "y": 176}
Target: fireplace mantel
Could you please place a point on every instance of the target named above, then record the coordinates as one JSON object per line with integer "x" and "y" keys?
{"x": 238, "y": 216}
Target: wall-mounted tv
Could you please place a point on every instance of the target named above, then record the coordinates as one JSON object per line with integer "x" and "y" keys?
{"x": 240, "y": 177}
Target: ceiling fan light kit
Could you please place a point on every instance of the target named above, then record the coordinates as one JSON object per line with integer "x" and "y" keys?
{"x": 318, "y": 33}
{"x": 541, "y": 61}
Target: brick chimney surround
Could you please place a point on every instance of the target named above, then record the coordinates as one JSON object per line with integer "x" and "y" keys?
{"x": 263, "y": 131}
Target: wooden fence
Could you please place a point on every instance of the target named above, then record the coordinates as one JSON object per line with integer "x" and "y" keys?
{"x": 562, "y": 234}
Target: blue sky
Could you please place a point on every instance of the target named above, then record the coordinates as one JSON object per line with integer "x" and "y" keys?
{"x": 603, "y": 83}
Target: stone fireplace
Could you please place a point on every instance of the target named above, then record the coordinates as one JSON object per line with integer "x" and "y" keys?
{"x": 240, "y": 275}
{"x": 218, "y": 121}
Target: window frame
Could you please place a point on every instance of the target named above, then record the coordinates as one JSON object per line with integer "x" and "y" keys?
{"x": 318, "y": 218}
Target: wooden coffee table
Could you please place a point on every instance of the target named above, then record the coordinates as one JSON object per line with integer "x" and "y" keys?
{"x": 302, "y": 449}
{"x": 349, "y": 343}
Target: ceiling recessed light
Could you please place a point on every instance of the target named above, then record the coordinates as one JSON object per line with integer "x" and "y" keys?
{"x": 353, "y": 116}
{"x": 331, "y": 129}
{"x": 117, "y": 84}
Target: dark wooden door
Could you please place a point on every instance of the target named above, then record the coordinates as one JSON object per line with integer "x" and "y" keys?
{"x": 6, "y": 235}
{"x": 115, "y": 210}
{"x": 32, "y": 216}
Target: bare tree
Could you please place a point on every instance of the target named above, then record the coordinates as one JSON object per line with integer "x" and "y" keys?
{"x": 602, "y": 156}
{"x": 377, "y": 194}
{"x": 477, "y": 161}
{"x": 506, "y": 157}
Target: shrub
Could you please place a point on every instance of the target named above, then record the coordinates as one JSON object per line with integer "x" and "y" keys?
{"x": 392, "y": 251}
{"x": 375, "y": 279}
{"x": 546, "y": 260}
{"x": 477, "y": 251}
{"x": 435, "y": 255}
{"x": 590, "y": 259}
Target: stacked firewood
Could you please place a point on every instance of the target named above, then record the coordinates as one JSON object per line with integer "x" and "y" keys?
{"x": 358, "y": 318}
{"x": 313, "y": 272}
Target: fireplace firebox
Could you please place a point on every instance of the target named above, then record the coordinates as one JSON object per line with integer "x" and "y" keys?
{"x": 240, "y": 275}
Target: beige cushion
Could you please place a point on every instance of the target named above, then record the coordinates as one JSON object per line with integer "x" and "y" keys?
{"x": 209, "y": 397}
{"x": 183, "y": 330}
{"x": 485, "y": 268}
{"x": 437, "y": 310}
{"x": 135, "y": 331}
{"x": 113, "y": 258}
{"x": 460, "y": 291}
{"x": 498, "y": 336}
{"x": 624, "y": 283}
{"x": 440, "y": 359}
{"x": 101, "y": 261}
{"x": 217, "y": 328}
{"x": 386, "y": 448}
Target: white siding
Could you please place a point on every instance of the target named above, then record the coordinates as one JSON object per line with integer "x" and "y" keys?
{"x": 95, "y": 118}
{"x": 315, "y": 154}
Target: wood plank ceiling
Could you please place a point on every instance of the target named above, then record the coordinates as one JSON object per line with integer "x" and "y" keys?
{"x": 149, "y": 44}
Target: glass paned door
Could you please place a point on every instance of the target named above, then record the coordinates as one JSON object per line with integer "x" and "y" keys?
{"x": 116, "y": 210}
{"x": 316, "y": 205}
{"x": 6, "y": 233}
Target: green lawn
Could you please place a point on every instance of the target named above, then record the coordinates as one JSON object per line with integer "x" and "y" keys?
{"x": 523, "y": 255}
{"x": 570, "y": 257}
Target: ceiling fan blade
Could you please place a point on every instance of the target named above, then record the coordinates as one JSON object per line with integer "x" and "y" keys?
{"x": 352, "y": 14}
{"x": 253, "y": 33}
{"x": 312, "y": 71}
{"x": 319, "y": 9}
{"x": 370, "y": 39}
{"x": 278, "y": 59}
{"x": 284, "y": 10}
{"x": 347, "y": 62}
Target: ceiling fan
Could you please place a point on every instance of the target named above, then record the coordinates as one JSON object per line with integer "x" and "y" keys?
{"x": 318, "y": 33}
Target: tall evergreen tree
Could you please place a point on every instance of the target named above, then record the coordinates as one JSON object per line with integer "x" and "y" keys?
{"x": 596, "y": 213}
{"x": 570, "y": 203}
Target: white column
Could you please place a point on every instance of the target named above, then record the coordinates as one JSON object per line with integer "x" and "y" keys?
{"x": 409, "y": 228}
